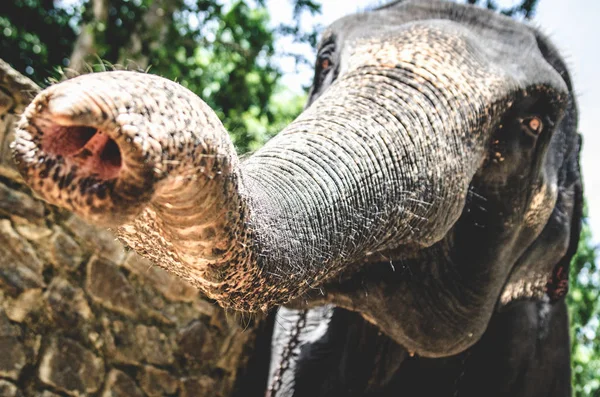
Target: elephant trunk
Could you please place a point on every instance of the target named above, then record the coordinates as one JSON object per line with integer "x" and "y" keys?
{"x": 376, "y": 163}
{"x": 143, "y": 155}
{"x": 381, "y": 161}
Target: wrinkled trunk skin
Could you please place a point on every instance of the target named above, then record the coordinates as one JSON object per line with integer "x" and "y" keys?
{"x": 81, "y": 316}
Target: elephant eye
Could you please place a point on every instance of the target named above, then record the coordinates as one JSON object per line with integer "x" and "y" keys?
{"x": 325, "y": 58}
{"x": 325, "y": 63}
{"x": 533, "y": 125}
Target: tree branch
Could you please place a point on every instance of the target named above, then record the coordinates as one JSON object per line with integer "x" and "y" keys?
{"x": 86, "y": 44}
{"x": 149, "y": 35}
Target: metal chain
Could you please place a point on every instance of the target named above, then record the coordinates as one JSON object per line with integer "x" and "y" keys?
{"x": 294, "y": 341}
{"x": 286, "y": 355}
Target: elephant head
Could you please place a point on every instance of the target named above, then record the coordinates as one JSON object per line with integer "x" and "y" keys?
{"x": 432, "y": 179}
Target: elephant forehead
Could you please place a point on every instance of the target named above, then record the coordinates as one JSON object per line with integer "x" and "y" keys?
{"x": 467, "y": 39}
{"x": 429, "y": 51}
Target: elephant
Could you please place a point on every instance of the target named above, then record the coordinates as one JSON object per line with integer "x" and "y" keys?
{"x": 414, "y": 224}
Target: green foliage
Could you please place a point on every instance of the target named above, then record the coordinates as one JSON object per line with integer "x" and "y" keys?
{"x": 584, "y": 311}
{"x": 221, "y": 50}
{"x": 524, "y": 9}
{"x": 231, "y": 69}
{"x": 36, "y": 36}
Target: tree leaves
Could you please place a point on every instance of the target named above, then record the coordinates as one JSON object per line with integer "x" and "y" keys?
{"x": 524, "y": 9}
{"x": 584, "y": 311}
{"x": 221, "y": 50}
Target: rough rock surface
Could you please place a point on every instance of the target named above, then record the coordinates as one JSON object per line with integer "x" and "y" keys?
{"x": 82, "y": 316}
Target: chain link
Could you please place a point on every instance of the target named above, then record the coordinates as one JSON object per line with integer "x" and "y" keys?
{"x": 287, "y": 354}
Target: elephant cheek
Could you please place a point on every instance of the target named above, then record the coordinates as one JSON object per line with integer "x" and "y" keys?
{"x": 541, "y": 205}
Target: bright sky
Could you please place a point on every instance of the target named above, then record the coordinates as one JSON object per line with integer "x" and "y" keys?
{"x": 575, "y": 30}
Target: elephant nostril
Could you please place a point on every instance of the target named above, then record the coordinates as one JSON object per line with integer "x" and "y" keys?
{"x": 64, "y": 141}
{"x": 94, "y": 152}
{"x": 111, "y": 155}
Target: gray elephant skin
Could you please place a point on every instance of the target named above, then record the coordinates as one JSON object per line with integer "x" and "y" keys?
{"x": 416, "y": 220}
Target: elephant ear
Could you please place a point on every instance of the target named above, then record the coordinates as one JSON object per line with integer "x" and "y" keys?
{"x": 542, "y": 272}
{"x": 558, "y": 285}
